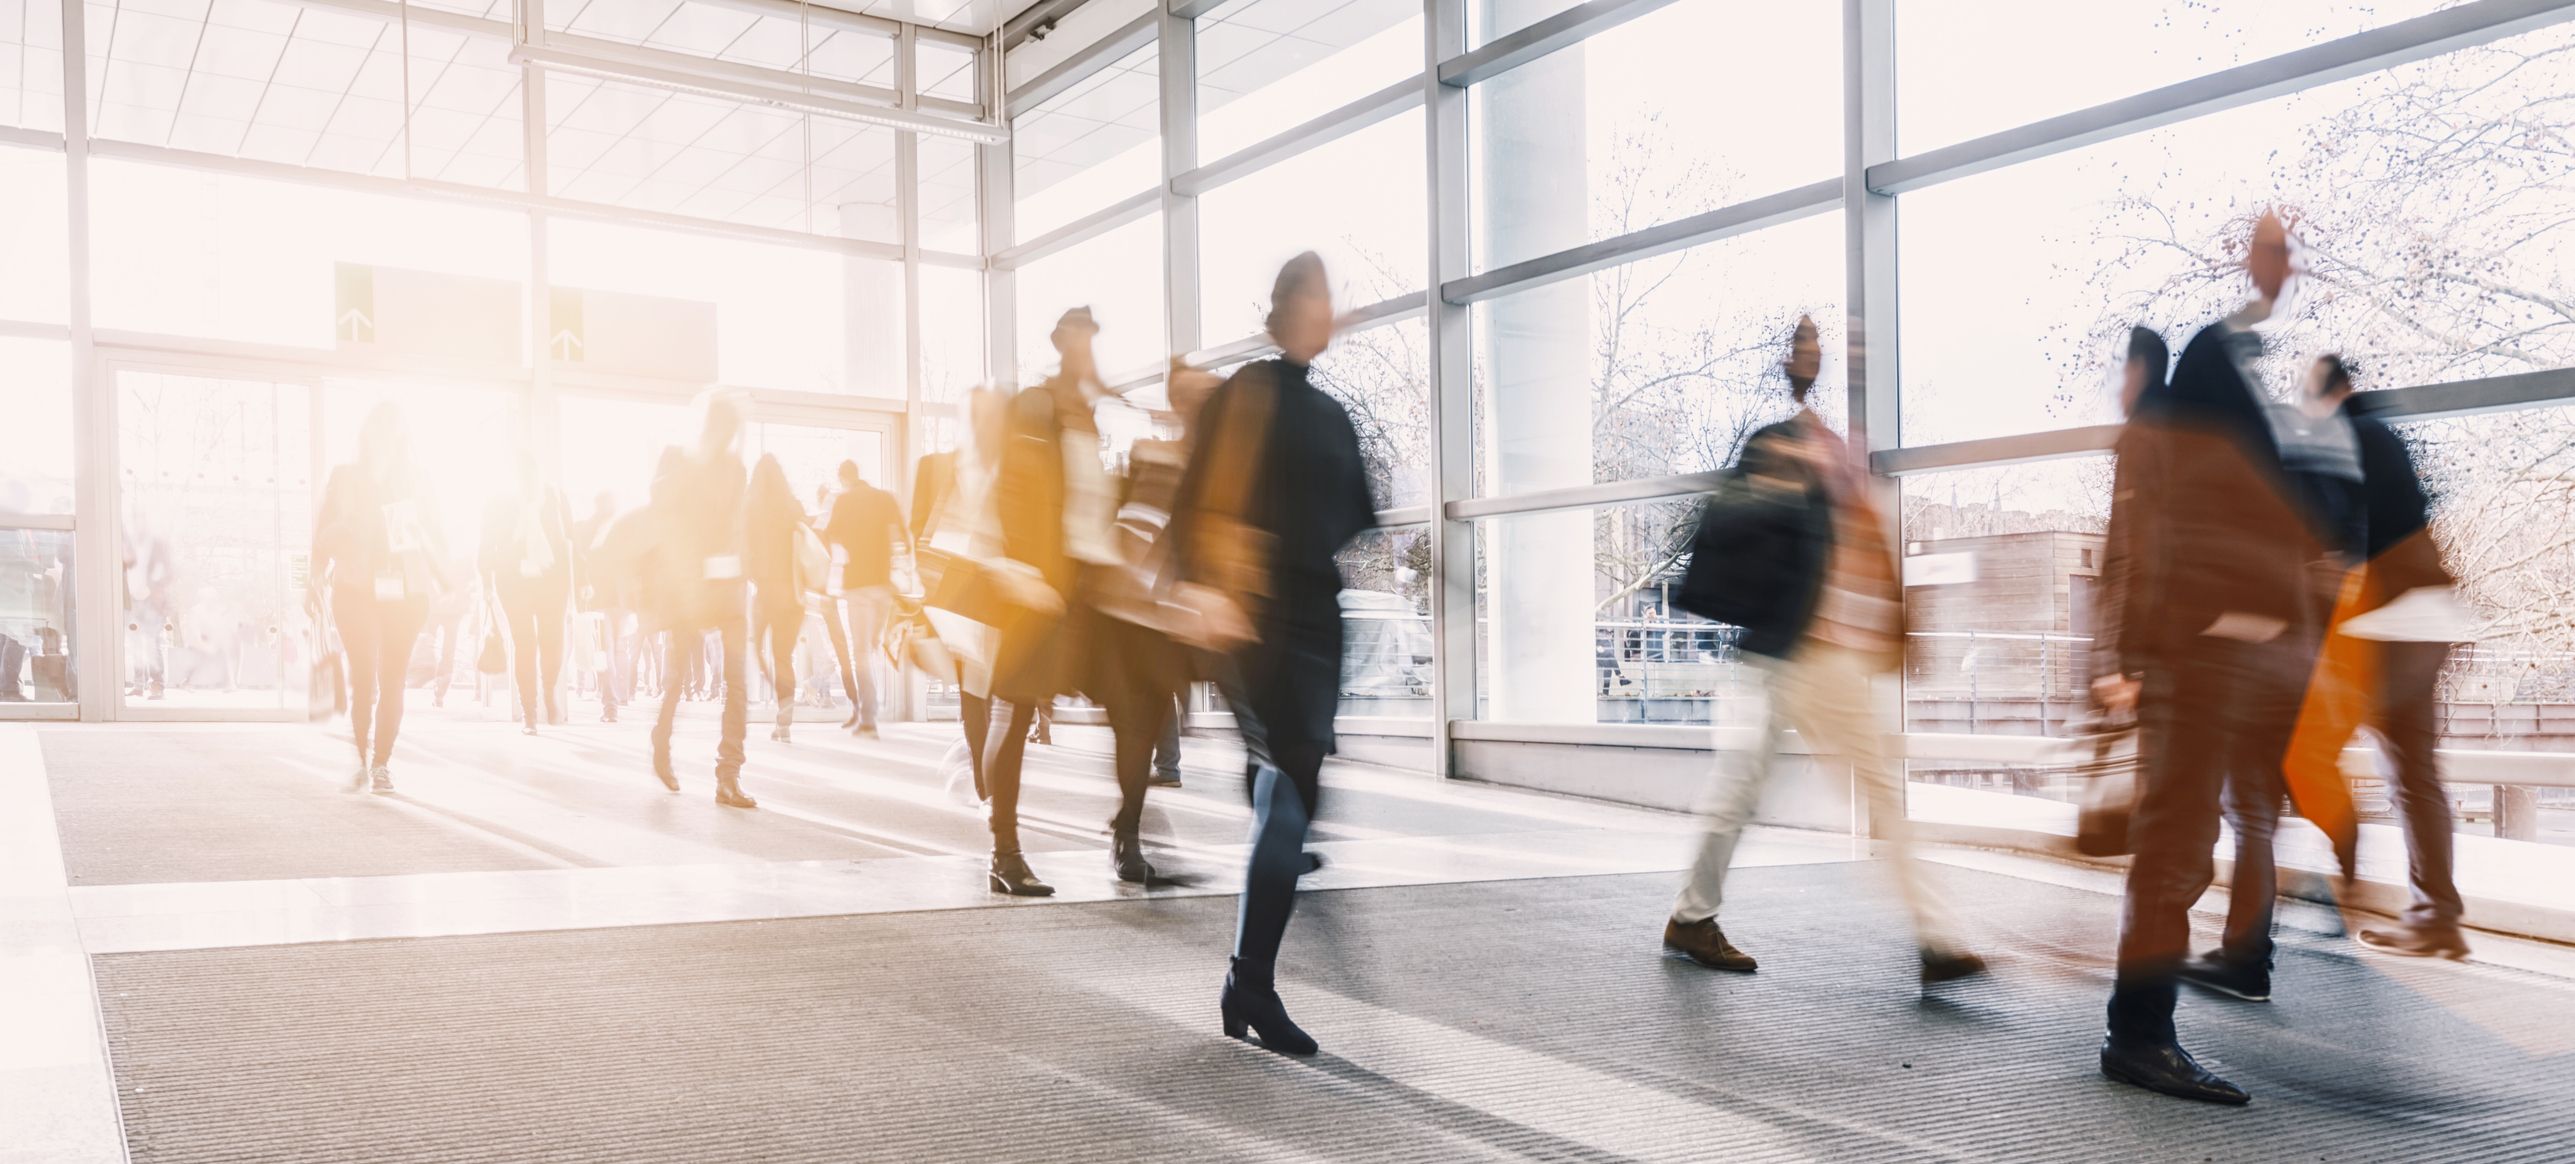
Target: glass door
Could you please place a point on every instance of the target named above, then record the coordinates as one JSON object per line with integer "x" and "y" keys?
{"x": 214, "y": 526}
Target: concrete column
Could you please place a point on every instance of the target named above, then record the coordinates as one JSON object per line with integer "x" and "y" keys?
{"x": 1535, "y": 350}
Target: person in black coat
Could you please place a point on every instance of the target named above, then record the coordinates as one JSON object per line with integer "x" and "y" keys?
{"x": 1276, "y": 486}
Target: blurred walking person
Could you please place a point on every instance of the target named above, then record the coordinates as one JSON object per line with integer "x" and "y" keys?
{"x": 867, "y": 528}
{"x": 780, "y": 549}
{"x": 952, "y": 525}
{"x": 697, "y": 515}
{"x": 597, "y": 599}
{"x": 1793, "y": 551}
{"x": 1055, "y": 505}
{"x": 378, "y": 551}
{"x": 527, "y": 561}
{"x": 1138, "y": 665}
{"x": 1276, "y": 486}
{"x": 2321, "y": 466}
{"x": 2387, "y": 660}
{"x": 2204, "y": 612}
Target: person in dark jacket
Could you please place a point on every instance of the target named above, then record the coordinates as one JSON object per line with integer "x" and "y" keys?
{"x": 867, "y": 528}
{"x": 698, "y": 586}
{"x": 2203, "y": 639}
{"x": 1809, "y": 574}
{"x": 527, "y": 561}
{"x": 2400, "y": 676}
{"x": 1275, "y": 487}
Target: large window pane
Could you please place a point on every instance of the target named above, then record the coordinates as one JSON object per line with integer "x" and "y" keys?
{"x": 1366, "y": 230}
{"x": 1117, "y": 275}
{"x": 1488, "y": 20}
{"x": 216, "y": 487}
{"x": 651, "y": 148}
{"x": 31, "y": 64}
{"x": 946, "y": 71}
{"x": 1089, "y": 147}
{"x": 1653, "y": 368}
{"x": 2439, "y": 233}
{"x": 948, "y": 196}
{"x": 307, "y": 86}
{"x": 952, "y": 331}
{"x": 2004, "y": 565}
{"x": 1355, "y": 201}
{"x": 1382, "y": 376}
{"x": 1971, "y": 67}
{"x": 35, "y": 237}
{"x": 1637, "y": 126}
{"x": 1386, "y": 623}
{"x": 1267, "y": 65}
{"x": 1574, "y": 622}
{"x": 222, "y": 256}
{"x": 36, "y": 623}
{"x": 36, "y": 452}
{"x": 2505, "y": 520}
{"x": 786, "y": 317}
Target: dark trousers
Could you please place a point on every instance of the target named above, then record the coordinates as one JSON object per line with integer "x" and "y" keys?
{"x": 774, "y": 627}
{"x": 1166, "y": 750}
{"x": 728, "y": 749}
{"x": 2408, "y": 718}
{"x": 1138, "y": 732}
{"x": 536, "y": 642}
{"x": 2221, "y": 707}
{"x": 974, "y": 714}
{"x": 1001, "y": 773}
{"x": 1282, "y": 809}
{"x": 378, "y": 637}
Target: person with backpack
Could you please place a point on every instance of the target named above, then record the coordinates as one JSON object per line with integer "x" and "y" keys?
{"x": 378, "y": 553}
{"x": 1792, "y": 550}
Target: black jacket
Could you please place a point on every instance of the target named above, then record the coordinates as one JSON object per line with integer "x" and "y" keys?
{"x": 1764, "y": 541}
{"x": 2402, "y": 554}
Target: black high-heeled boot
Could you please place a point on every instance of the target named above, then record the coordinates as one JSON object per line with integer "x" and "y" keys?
{"x": 1009, "y": 873}
{"x": 1252, "y": 1001}
{"x": 1126, "y": 857}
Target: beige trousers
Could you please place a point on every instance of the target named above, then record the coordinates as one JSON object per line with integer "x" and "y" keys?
{"x": 1824, "y": 694}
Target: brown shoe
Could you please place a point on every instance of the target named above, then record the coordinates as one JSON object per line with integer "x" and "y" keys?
{"x": 2417, "y": 941}
{"x": 1702, "y": 942}
{"x": 729, "y": 793}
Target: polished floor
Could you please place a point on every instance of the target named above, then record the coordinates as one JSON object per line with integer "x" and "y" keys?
{"x": 220, "y": 952}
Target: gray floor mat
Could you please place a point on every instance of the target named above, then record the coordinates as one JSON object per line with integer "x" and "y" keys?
{"x": 1511, "y": 1020}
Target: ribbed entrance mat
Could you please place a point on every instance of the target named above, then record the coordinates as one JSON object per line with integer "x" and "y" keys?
{"x": 1514, "y": 1020}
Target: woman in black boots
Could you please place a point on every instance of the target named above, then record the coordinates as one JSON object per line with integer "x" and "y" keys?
{"x": 1276, "y": 486}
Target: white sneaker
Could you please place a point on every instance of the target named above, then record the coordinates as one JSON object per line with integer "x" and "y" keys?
{"x": 381, "y": 778}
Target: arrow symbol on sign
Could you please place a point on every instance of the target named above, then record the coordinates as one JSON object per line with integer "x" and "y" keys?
{"x": 355, "y": 327}
{"x": 566, "y": 345}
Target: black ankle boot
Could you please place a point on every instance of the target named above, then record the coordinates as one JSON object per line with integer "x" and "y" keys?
{"x": 1251, "y": 1001}
{"x": 1126, "y": 856}
{"x": 1009, "y": 873}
